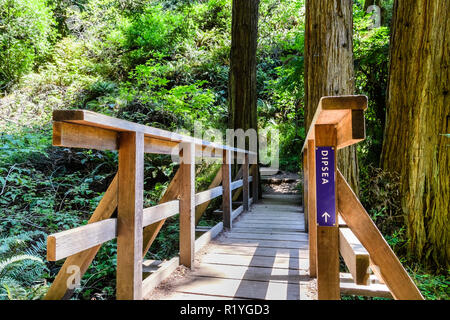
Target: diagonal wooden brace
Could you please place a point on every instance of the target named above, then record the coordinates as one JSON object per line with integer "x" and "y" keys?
{"x": 59, "y": 288}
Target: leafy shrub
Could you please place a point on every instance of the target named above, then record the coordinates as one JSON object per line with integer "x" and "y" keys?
{"x": 371, "y": 56}
{"x": 216, "y": 15}
{"x": 188, "y": 102}
{"x": 26, "y": 32}
{"x": 155, "y": 30}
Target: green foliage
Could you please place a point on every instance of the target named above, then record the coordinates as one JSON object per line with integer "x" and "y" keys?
{"x": 99, "y": 281}
{"x": 22, "y": 269}
{"x": 371, "y": 55}
{"x": 162, "y": 63}
{"x": 26, "y": 32}
{"x": 433, "y": 287}
{"x": 189, "y": 102}
{"x": 154, "y": 31}
{"x": 280, "y": 76}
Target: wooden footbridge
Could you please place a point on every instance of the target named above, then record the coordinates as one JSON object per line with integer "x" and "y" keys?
{"x": 274, "y": 247}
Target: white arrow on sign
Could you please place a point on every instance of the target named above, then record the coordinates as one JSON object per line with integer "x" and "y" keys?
{"x": 326, "y": 215}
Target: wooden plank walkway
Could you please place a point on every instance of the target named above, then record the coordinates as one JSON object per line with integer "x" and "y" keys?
{"x": 264, "y": 256}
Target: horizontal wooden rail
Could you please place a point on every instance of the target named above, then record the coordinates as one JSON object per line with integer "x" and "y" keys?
{"x": 378, "y": 290}
{"x": 66, "y": 243}
{"x": 160, "y": 212}
{"x": 237, "y": 184}
{"x": 358, "y": 220}
{"x": 97, "y": 131}
{"x": 346, "y": 113}
{"x": 355, "y": 256}
{"x": 71, "y": 135}
{"x": 135, "y": 227}
{"x": 208, "y": 195}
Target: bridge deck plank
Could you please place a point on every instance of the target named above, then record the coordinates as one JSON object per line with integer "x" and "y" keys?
{"x": 265, "y": 256}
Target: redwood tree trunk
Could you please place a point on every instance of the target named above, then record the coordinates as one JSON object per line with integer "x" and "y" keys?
{"x": 329, "y": 65}
{"x": 242, "y": 77}
{"x": 417, "y": 117}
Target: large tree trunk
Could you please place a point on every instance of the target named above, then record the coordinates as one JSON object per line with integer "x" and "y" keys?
{"x": 329, "y": 65}
{"x": 242, "y": 78}
{"x": 417, "y": 116}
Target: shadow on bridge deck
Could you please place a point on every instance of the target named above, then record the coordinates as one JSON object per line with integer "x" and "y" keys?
{"x": 264, "y": 256}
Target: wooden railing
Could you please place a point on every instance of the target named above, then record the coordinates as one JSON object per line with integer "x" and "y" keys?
{"x": 337, "y": 222}
{"x": 136, "y": 227}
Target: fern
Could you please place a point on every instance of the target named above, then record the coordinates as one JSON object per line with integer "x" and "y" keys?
{"x": 22, "y": 267}
{"x": 14, "y": 261}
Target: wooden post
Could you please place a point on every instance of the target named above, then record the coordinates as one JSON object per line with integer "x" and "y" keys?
{"x": 245, "y": 187}
{"x": 226, "y": 184}
{"x": 129, "y": 216}
{"x": 311, "y": 165}
{"x": 305, "y": 189}
{"x": 255, "y": 184}
{"x": 187, "y": 204}
{"x": 328, "y": 285}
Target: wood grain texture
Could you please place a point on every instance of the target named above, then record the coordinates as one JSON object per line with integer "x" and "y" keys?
{"x": 160, "y": 212}
{"x": 312, "y": 208}
{"x": 187, "y": 205}
{"x": 327, "y": 237}
{"x": 245, "y": 182}
{"x": 97, "y": 120}
{"x": 372, "y": 290}
{"x": 355, "y": 256}
{"x": 329, "y": 69}
{"x": 245, "y": 267}
{"x": 227, "y": 188}
{"x": 418, "y": 117}
{"x": 347, "y": 107}
{"x": 129, "y": 216}
{"x": 207, "y": 195}
{"x": 242, "y": 91}
{"x": 357, "y": 219}
{"x": 328, "y": 263}
{"x": 351, "y": 129}
{"x": 66, "y": 243}
{"x": 79, "y": 136}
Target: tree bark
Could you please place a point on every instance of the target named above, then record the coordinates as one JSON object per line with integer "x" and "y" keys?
{"x": 418, "y": 114}
{"x": 329, "y": 65}
{"x": 242, "y": 76}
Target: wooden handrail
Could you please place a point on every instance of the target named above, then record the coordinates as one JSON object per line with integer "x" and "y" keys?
{"x": 86, "y": 129}
{"x": 345, "y": 112}
{"x": 358, "y": 220}
{"x": 97, "y": 131}
{"x": 338, "y": 123}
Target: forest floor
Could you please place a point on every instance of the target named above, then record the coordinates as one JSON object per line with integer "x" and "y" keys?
{"x": 282, "y": 182}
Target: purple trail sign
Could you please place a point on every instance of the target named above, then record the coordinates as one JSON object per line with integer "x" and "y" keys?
{"x": 325, "y": 187}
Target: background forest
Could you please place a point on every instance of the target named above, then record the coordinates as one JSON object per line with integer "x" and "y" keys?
{"x": 162, "y": 63}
